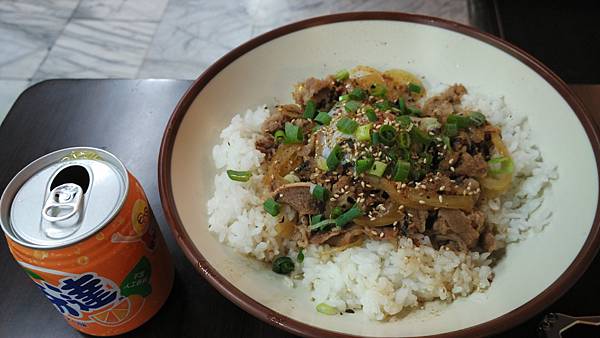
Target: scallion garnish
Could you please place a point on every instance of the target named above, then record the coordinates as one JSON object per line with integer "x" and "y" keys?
{"x": 316, "y": 219}
{"x": 403, "y": 140}
{"x": 460, "y": 121}
{"x": 352, "y": 106}
{"x": 401, "y": 171}
{"x": 477, "y": 118}
{"x": 300, "y": 257}
{"x": 364, "y": 164}
{"x": 375, "y": 138}
{"x": 358, "y": 94}
{"x": 279, "y": 136}
{"x": 383, "y": 106}
{"x": 346, "y": 125}
{"x": 320, "y": 193}
{"x": 271, "y": 207}
{"x": 323, "y": 118}
{"x": 322, "y": 225}
{"x": 501, "y": 165}
{"x": 405, "y": 121}
{"x": 348, "y": 216}
{"x": 420, "y": 136}
{"x": 310, "y": 110}
{"x": 293, "y": 133}
{"x": 363, "y": 133}
{"x": 402, "y": 105}
{"x": 240, "y": 176}
{"x": 414, "y": 111}
{"x": 322, "y": 163}
{"x": 387, "y": 135}
{"x": 283, "y": 265}
{"x": 446, "y": 141}
{"x": 342, "y": 75}
{"x": 336, "y": 212}
{"x": 371, "y": 114}
{"x": 414, "y": 88}
{"x": 377, "y": 169}
{"x": 378, "y": 90}
{"x": 344, "y": 97}
{"x": 327, "y": 309}
{"x": 451, "y": 129}
{"x": 334, "y": 158}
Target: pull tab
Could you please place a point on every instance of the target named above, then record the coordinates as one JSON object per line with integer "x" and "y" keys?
{"x": 64, "y": 202}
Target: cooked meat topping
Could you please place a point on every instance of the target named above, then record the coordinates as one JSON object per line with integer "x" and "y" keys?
{"x": 297, "y": 196}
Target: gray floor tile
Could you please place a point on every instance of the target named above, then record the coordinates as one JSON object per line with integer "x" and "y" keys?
{"x": 197, "y": 33}
{"x": 9, "y": 91}
{"x": 25, "y": 39}
{"x": 148, "y": 10}
{"x": 54, "y": 8}
{"x": 98, "y": 49}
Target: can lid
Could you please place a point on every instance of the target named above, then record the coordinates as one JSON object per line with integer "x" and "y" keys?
{"x": 63, "y": 201}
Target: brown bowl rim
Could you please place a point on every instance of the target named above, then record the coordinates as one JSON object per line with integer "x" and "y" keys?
{"x": 504, "y": 322}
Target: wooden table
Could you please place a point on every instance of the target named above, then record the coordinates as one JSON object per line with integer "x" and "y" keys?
{"x": 127, "y": 118}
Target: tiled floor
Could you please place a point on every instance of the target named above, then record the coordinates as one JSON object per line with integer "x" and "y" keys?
{"x": 44, "y": 39}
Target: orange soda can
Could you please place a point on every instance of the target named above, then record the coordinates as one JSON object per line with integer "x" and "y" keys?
{"x": 80, "y": 226}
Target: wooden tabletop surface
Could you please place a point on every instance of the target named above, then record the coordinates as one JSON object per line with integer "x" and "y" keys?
{"x": 127, "y": 118}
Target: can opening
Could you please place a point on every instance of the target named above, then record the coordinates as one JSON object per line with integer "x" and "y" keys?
{"x": 72, "y": 174}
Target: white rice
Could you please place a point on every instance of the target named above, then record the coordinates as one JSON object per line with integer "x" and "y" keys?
{"x": 379, "y": 278}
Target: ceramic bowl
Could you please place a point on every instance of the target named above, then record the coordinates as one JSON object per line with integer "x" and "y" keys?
{"x": 534, "y": 272}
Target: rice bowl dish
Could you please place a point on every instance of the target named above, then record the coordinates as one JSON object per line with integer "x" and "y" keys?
{"x": 381, "y": 278}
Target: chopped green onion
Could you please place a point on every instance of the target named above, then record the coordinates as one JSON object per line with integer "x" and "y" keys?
{"x": 501, "y": 165}
{"x": 375, "y": 138}
{"x": 477, "y": 118}
{"x": 414, "y": 88}
{"x": 323, "y": 118}
{"x": 346, "y": 125}
{"x": 429, "y": 123}
{"x": 320, "y": 193}
{"x": 401, "y": 105}
{"x": 344, "y": 97}
{"x": 279, "y": 136}
{"x": 420, "y": 136}
{"x": 293, "y": 133}
{"x": 336, "y": 212}
{"x": 460, "y": 121}
{"x": 315, "y": 128}
{"x": 387, "y": 134}
{"x": 378, "y": 90}
{"x": 401, "y": 171}
{"x": 414, "y": 111}
{"x": 383, "y": 106}
{"x": 322, "y": 225}
{"x": 371, "y": 114}
{"x": 327, "y": 309}
{"x": 322, "y": 163}
{"x": 451, "y": 129}
{"x": 283, "y": 265}
{"x": 334, "y": 158}
{"x": 291, "y": 178}
{"x": 363, "y": 164}
{"x": 240, "y": 176}
{"x": 271, "y": 207}
{"x": 363, "y": 133}
{"x": 310, "y": 110}
{"x": 316, "y": 219}
{"x": 358, "y": 94}
{"x": 348, "y": 216}
{"x": 377, "y": 169}
{"x": 342, "y": 75}
{"x": 352, "y": 106}
{"x": 300, "y": 257}
{"x": 405, "y": 121}
{"x": 403, "y": 140}
{"x": 446, "y": 141}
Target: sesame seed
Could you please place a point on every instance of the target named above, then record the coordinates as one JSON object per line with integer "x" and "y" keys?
{"x": 332, "y": 199}
{"x": 374, "y": 232}
{"x": 440, "y": 198}
{"x": 452, "y": 169}
{"x": 450, "y": 161}
{"x": 381, "y": 234}
{"x": 421, "y": 202}
{"x": 336, "y": 195}
{"x": 395, "y": 223}
{"x": 409, "y": 214}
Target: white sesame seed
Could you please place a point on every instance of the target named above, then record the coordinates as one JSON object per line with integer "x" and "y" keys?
{"x": 440, "y": 198}
{"x": 421, "y": 202}
{"x": 381, "y": 234}
{"x": 452, "y": 169}
{"x": 442, "y": 188}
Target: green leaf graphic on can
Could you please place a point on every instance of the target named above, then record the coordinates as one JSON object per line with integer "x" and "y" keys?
{"x": 137, "y": 281}
{"x": 33, "y": 274}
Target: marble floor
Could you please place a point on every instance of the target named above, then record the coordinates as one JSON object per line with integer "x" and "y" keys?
{"x": 46, "y": 39}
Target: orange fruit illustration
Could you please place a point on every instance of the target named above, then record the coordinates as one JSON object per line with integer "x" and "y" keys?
{"x": 124, "y": 310}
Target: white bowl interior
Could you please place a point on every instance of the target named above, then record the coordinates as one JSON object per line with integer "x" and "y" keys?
{"x": 266, "y": 74}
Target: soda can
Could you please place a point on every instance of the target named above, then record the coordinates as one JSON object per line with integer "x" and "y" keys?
{"x": 80, "y": 226}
